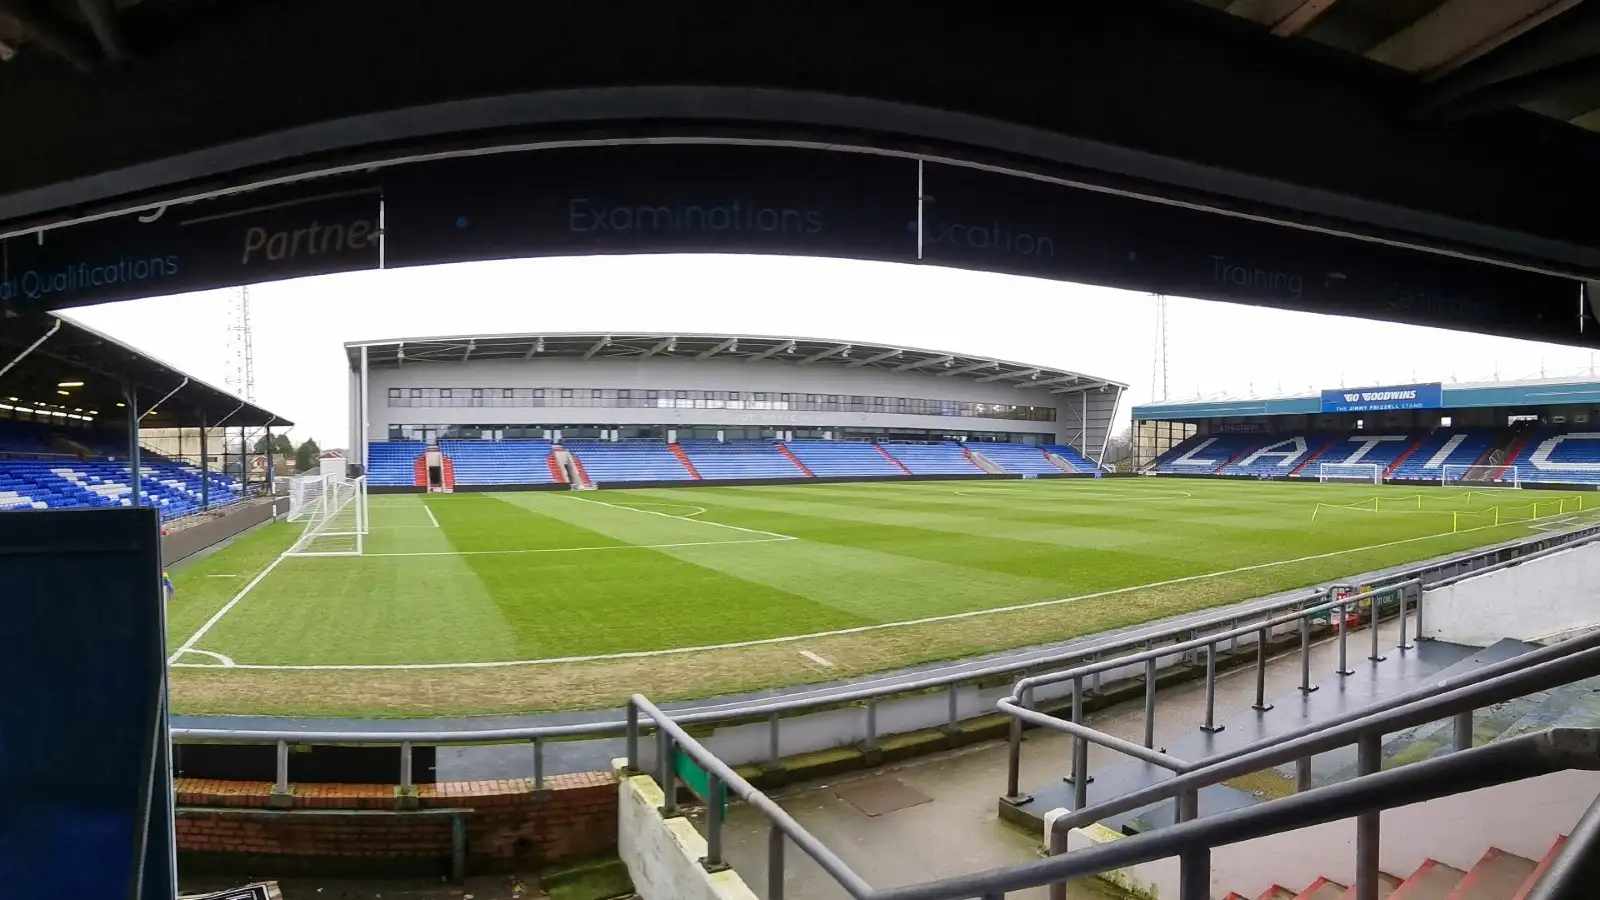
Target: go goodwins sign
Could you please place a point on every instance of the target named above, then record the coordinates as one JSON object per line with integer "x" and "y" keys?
{"x": 1377, "y": 399}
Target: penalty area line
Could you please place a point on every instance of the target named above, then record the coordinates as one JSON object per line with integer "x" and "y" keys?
{"x": 769, "y": 540}
{"x": 216, "y": 617}
{"x": 651, "y": 512}
{"x": 859, "y": 629}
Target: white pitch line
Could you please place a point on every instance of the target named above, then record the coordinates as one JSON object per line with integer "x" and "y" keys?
{"x": 649, "y": 512}
{"x": 224, "y": 576}
{"x": 770, "y": 540}
{"x": 217, "y": 617}
{"x": 429, "y": 510}
{"x": 816, "y": 659}
{"x": 225, "y": 661}
{"x": 859, "y": 629}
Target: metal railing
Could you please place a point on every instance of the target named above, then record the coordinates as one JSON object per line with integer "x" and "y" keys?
{"x": 1192, "y": 839}
{"x": 775, "y": 710}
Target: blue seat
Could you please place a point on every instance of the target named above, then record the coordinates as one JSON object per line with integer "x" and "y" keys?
{"x": 944, "y": 458}
{"x": 393, "y": 463}
{"x": 739, "y": 459}
{"x": 612, "y": 462}
{"x": 1018, "y": 459}
{"x": 499, "y": 462}
{"x": 843, "y": 459}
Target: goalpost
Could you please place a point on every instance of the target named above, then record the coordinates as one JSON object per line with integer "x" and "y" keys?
{"x": 1369, "y": 473}
{"x": 1481, "y": 476}
{"x": 336, "y": 514}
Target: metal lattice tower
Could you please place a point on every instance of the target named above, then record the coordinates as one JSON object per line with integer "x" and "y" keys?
{"x": 241, "y": 378}
{"x": 1159, "y": 373}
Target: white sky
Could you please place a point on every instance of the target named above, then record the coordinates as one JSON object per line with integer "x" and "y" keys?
{"x": 300, "y": 326}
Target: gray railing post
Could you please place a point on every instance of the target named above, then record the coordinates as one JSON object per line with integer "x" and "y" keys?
{"x": 715, "y": 792}
{"x": 538, "y": 763}
{"x": 1211, "y": 726}
{"x": 1057, "y": 846}
{"x": 1375, "y": 656}
{"x": 1343, "y": 609}
{"x": 633, "y": 738}
{"x": 1405, "y": 614}
{"x": 664, "y": 773}
{"x": 954, "y": 712}
{"x": 774, "y": 748}
{"x": 1080, "y": 750}
{"x": 1306, "y": 686}
{"x": 1462, "y": 739}
{"x": 1420, "y": 593}
{"x": 872, "y": 724}
{"x": 1369, "y": 760}
{"x": 1194, "y": 866}
{"x": 405, "y": 767}
{"x": 1302, "y": 774}
{"x": 774, "y": 862}
{"x": 1261, "y": 704}
{"x": 282, "y": 785}
{"x": 1149, "y": 700}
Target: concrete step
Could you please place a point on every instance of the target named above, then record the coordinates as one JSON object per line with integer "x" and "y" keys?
{"x": 1498, "y": 875}
{"x": 1433, "y": 880}
{"x": 1387, "y": 885}
{"x": 1544, "y": 865}
{"x": 1322, "y": 889}
{"x": 1276, "y": 892}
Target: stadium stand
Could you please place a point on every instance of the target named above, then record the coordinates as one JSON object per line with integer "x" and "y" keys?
{"x": 844, "y": 459}
{"x": 499, "y": 462}
{"x": 1206, "y": 454}
{"x": 1445, "y": 447}
{"x": 172, "y": 487}
{"x": 1018, "y": 459}
{"x": 392, "y": 463}
{"x": 1275, "y": 457}
{"x": 641, "y": 460}
{"x": 945, "y": 458}
{"x": 739, "y": 459}
{"x": 1549, "y": 455}
{"x": 1077, "y": 460}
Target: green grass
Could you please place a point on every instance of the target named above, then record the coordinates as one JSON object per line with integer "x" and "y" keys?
{"x": 528, "y": 576}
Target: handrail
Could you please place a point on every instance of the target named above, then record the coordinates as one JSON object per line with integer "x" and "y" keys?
{"x": 1576, "y": 869}
{"x": 870, "y": 695}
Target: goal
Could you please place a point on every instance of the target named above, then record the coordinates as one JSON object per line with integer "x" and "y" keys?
{"x": 335, "y": 511}
{"x": 1481, "y": 476}
{"x": 1369, "y": 473}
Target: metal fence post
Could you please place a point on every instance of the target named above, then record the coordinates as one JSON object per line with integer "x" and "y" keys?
{"x": 715, "y": 791}
{"x": 1261, "y": 704}
{"x": 774, "y": 753}
{"x": 774, "y": 862}
{"x": 1405, "y": 615}
{"x": 1369, "y": 760}
{"x": 1420, "y": 593}
{"x": 405, "y": 767}
{"x": 538, "y": 763}
{"x": 1343, "y": 610}
{"x": 282, "y": 786}
{"x": 1375, "y": 656}
{"x": 1306, "y": 686}
{"x": 1462, "y": 739}
{"x": 1302, "y": 774}
{"x": 633, "y": 737}
{"x": 955, "y": 715}
{"x": 1194, "y": 867}
{"x": 1211, "y": 726}
{"x": 872, "y": 724}
{"x": 1149, "y": 700}
{"x": 1080, "y": 751}
{"x": 664, "y": 773}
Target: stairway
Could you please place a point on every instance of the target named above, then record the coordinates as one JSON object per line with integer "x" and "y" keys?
{"x": 447, "y": 473}
{"x": 555, "y": 469}
{"x": 677, "y": 450}
{"x": 1415, "y": 446}
{"x": 1507, "y": 444}
{"x": 789, "y": 454}
{"x": 419, "y": 469}
{"x": 890, "y": 457}
{"x": 1497, "y": 875}
{"x": 1313, "y": 457}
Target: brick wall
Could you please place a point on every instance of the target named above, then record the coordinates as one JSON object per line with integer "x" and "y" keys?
{"x": 511, "y": 826}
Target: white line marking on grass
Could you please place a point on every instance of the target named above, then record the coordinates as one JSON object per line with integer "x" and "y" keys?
{"x": 1058, "y": 495}
{"x": 651, "y": 512}
{"x": 429, "y": 510}
{"x": 816, "y": 659}
{"x": 770, "y": 540}
{"x": 224, "y": 576}
{"x": 859, "y": 629}
{"x": 226, "y": 607}
{"x": 216, "y": 656}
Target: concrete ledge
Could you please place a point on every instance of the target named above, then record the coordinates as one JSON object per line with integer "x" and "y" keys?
{"x": 227, "y": 522}
{"x": 665, "y": 856}
{"x": 1146, "y": 881}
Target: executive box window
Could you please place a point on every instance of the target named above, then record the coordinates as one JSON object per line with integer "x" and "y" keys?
{"x": 740, "y": 400}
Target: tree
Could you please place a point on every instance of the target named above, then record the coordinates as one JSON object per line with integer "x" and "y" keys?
{"x": 280, "y": 445}
{"x": 305, "y": 458}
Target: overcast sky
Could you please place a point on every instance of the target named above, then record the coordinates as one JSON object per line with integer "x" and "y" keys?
{"x": 300, "y": 326}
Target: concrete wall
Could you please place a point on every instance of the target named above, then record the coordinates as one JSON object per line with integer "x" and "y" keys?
{"x": 1081, "y": 419}
{"x": 664, "y": 856}
{"x": 1531, "y": 600}
{"x": 185, "y": 542}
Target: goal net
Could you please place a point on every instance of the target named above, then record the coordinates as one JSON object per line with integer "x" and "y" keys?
{"x": 336, "y": 516}
{"x": 1368, "y": 473}
{"x": 1481, "y": 476}
{"x": 305, "y": 495}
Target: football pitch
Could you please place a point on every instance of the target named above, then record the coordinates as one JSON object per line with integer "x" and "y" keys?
{"x": 499, "y": 602}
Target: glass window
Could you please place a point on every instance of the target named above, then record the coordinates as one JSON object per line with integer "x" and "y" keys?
{"x": 538, "y": 393}
{"x": 394, "y": 392}
{"x": 416, "y": 393}
{"x": 566, "y": 393}
{"x": 508, "y": 394}
{"x": 477, "y": 393}
{"x": 683, "y": 395}
{"x": 444, "y": 393}
{"x": 624, "y": 395}
{"x": 652, "y": 395}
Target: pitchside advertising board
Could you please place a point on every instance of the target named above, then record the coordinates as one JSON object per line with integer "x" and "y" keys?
{"x": 1380, "y": 399}
{"x": 85, "y": 795}
{"x": 748, "y": 199}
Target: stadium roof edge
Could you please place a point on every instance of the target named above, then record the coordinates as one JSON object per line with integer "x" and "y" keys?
{"x": 725, "y": 345}
{"x": 1556, "y": 391}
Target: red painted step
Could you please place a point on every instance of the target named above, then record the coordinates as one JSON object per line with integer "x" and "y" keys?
{"x": 784, "y": 449}
{"x": 1544, "y": 866}
{"x": 1322, "y": 889}
{"x": 1433, "y": 880}
{"x": 583, "y": 477}
{"x": 1512, "y": 453}
{"x": 555, "y": 469}
{"x": 1313, "y": 457}
{"x": 1415, "y": 446}
{"x": 1249, "y": 449}
{"x": 890, "y": 457}
{"x": 1497, "y": 875}
{"x": 1276, "y": 892}
{"x": 419, "y": 470}
{"x": 447, "y": 472}
{"x": 677, "y": 450}
{"x": 1387, "y": 885}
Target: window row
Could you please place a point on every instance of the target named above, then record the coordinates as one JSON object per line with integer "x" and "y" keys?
{"x": 659, "y": 399}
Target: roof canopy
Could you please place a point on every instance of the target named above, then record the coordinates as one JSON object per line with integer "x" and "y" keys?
{"x": 797, "y": 351}
{"x": 1575, "y": 390}
{"x": 77, "y": 371}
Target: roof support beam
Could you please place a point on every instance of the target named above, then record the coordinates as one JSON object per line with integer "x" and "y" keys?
{"x": 471, "y": 346}
{"x": 1453, "y": 30}
{"x": 824, "y": 354}
{"x": 1000, "y": 375}
{"x": 1076, "y": 388}
{"x": 661, "y": 345}
{"x": 716, "y": 348}
{"x": 962, "y": 370}
{"x": 877, "y": 357}
{"x": 932, "y": 361}
{"x": 535, "y": 347}
{"x": 596, "y": 347}
{"x": 1048, "y": 381}
{"x": 1298, "y": 21}
{"x": 774, "y": 350}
